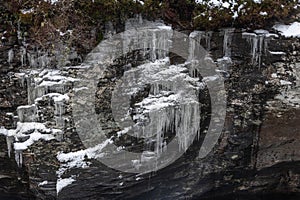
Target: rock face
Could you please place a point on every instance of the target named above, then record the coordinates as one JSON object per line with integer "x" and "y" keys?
{"x": 255, "y": 157}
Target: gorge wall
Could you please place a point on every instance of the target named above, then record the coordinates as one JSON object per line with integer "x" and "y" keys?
{"x": 43, "y": 157}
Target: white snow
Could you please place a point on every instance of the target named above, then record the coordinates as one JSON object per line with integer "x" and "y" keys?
{"x": 52, "y": 1}
{"x": 283, "y": 82}
{"x": 80, "y": 89}
{"x": 292, "y": 30}
{"x": 29, "y": 126}
{"x": 27, "y": 11}
{"x": 43, "y": 183}
{"x": 277, "y": 52}
{"x": 64, "y": 97}
{"x": 165, "y": 27}
{"x": 263, "y": 13}
{"x": 35, "y": 136}
{"x": 257, "y": 1}
{"x": 139, "y": 1}
{"x": 37, "y": 131}
{"x": 49, "y": 95}
{"x": 61, "y": 183}
{"x": 76, "y": 159}
{"x": 3, "y": 131}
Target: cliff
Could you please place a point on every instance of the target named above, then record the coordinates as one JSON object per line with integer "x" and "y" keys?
{"x": 46, "y": 52}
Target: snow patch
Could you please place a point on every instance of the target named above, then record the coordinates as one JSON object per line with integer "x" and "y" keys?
{"x": 43, "y": 183}
{"x": 283, "y": 82}
{"x": 292, "y": 30}
{"x": 62, "y": 183}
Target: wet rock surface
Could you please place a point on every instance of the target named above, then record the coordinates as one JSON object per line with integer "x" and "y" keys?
{"x": 255, "y": 158}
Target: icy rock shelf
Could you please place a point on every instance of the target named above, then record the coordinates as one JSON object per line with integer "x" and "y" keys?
{"x": 48, "y": 91}
{"x": 42, "y": 85}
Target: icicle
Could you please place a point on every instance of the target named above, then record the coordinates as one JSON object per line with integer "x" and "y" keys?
{"x": 196, "y": 38}
{"x": 208, "y": 36}
{"x": 153, "y": 52}
{"x": 259, "y": 46}
{"x": 19, "y": 157}
{"x": 40, "y": 91}
{"x": 32, "y": 60}
{"x": 22, "y": 79}
{"x": 23, "y": 56}
{"x": 9, "y": 143}
{"x": 59, "y": 108}
{"x": 60, "y": 122}
{"x": 227, "y": 42}
{"x": 19, "y": 34}
{"x": 10, "y": 56}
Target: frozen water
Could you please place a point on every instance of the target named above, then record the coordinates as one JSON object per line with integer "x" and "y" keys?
{"x": 10, "y": 56}
{"x": 227, "y": 42}
{"x": 172, "y": 104}
{"x": 9, "y": 143}
{"x": 259, "y": 44}
{"x": 27, "y": 113}
{"x": 34, "y": 130}
{"x": 19, "y": 157}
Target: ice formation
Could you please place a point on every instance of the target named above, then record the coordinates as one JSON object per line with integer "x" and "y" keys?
{"x": 27, "y": 113}
{"x": 259, "y": 44}
{"x": 28, "y": 131}
{"x": 42, "y": 85}
{"x": 172, "y": 104}
{"x": 227, "y": 42}
{"x": 10, "y": 56}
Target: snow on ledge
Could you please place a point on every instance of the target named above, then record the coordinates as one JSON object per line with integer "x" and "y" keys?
{"x": 61, "y": 183}
{"x": 292, "y": 30}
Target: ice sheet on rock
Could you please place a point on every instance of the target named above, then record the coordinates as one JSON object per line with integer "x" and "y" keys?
{"x": 27, "y": 113}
